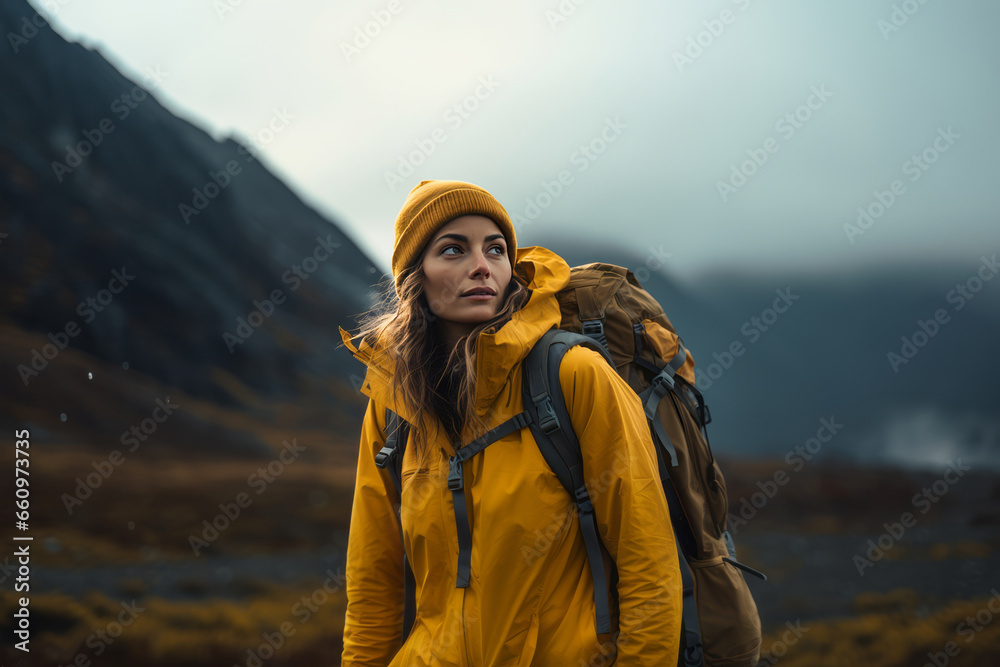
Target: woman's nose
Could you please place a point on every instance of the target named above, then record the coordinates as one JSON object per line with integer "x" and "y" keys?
{"x": 481, "y": 265}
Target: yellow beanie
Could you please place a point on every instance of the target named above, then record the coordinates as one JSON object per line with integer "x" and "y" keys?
{"x": 432, "y": 204}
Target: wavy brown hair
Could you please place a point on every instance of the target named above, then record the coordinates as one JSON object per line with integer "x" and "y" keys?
{"x": 430, "y": 378}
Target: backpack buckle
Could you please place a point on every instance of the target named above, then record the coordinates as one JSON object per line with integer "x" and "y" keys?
{"x": 595, "y": 329}
{"x": 665, "y": 377}
{"x": 547, "y": 419}
{"x": 382, "y": 458}
{"x": 583, "y": 500}
{"x": 455, "y": 474}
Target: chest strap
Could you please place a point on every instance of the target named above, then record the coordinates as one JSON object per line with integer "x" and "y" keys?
{"x": 456, "y": 483}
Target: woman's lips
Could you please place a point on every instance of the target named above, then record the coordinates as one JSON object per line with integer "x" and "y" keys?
{"x": 478, "y": 297}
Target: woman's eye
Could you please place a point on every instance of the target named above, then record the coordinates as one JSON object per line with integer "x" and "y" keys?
{"x": 444, "y": 251}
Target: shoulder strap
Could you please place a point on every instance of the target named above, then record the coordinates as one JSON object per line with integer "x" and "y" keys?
{"x": 692, "y": 651}
{"x": 391, "y": 457}
{"x": 552, "y": 429}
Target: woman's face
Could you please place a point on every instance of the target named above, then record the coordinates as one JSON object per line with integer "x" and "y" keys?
{"x": 467, "y": 253}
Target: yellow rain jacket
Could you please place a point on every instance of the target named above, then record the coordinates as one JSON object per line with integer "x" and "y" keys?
{"x": 530, "y": 600}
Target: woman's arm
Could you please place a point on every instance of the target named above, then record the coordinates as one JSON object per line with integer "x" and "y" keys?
{"x": 373, "y": 624}
{"x": 629, "y": 504}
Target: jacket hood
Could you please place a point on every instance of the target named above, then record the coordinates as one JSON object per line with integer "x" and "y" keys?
{"x": 497, "y": 352}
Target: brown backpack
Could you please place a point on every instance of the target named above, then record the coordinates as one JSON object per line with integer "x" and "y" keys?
{"x": 606, "y": 304}
{"x": 604, "y": 307}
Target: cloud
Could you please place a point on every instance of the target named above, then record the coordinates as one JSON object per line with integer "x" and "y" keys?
{"x": 559, "y": 80}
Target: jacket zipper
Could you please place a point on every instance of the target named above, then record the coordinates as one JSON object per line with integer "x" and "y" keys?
{"x": 465, "y": 640}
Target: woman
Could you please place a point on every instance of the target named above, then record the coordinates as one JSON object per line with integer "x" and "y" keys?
{"x": 447, "y": 359}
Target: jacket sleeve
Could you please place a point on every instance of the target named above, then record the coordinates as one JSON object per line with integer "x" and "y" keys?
{"x": 373, "y": 623}
{"x": 630, "y": 507}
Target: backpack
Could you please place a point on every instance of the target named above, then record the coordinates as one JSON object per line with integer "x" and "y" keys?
{"x": 604, "y": 307}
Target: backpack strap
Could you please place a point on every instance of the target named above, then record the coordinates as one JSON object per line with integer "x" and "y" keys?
{"x": 693, "y": 401}
{"x": 692, "y": 652}
{"x": 391, "y": 457}
{"x": 663, "y": 382}
{"x": 456, "y": 483}
{"x": 561, "y": 449}
{"x": 638, "y": 333}
{"x": 552, "y": 429}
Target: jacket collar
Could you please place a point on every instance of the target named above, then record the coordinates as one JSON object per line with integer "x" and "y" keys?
{"x": 497, "y": 352}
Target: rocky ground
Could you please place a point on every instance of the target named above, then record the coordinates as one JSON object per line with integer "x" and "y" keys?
{"x": 840, "y": 544}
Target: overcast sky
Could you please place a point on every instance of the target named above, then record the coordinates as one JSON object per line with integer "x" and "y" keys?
{"x": 833, "y": 100}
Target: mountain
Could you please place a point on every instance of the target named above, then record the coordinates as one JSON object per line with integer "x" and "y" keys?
{"x": 827, "y": 356}
{"x": 146, "y": 264}
{"x": 209, "y": 277}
